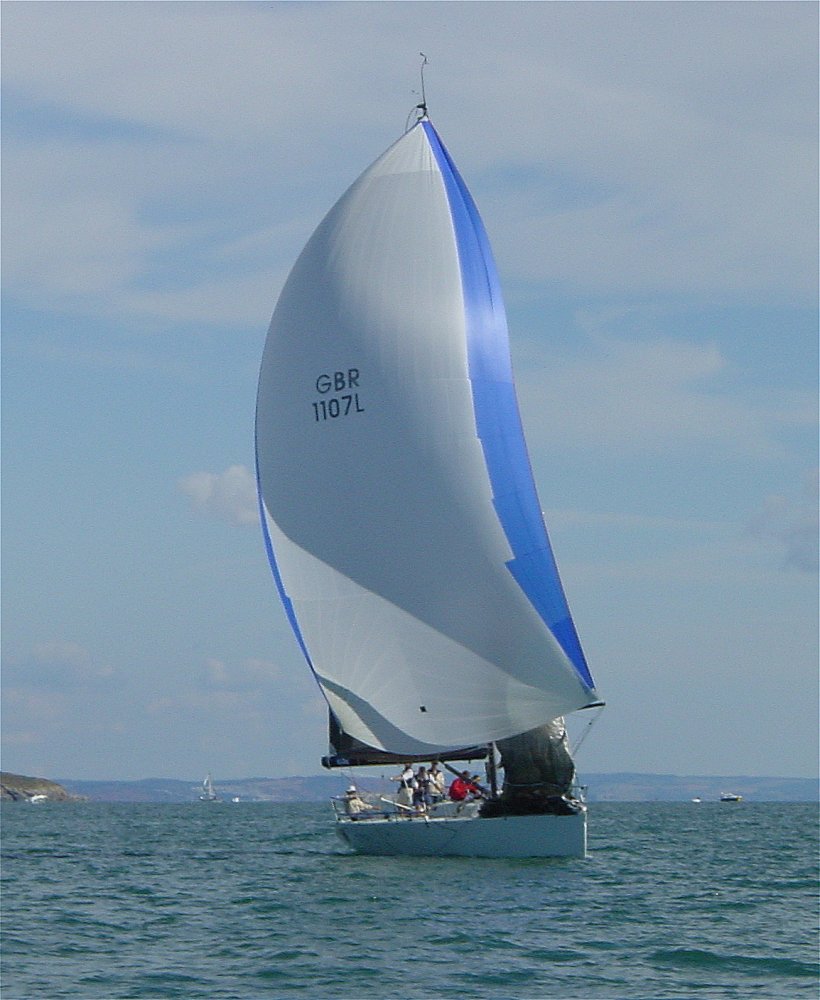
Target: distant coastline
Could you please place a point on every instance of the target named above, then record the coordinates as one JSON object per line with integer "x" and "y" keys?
{"x": 22, "y": 788}
{"x": 615, "y": 787}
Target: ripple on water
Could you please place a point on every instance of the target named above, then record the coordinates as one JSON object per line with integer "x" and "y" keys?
{"x": 116, "y": 902}
{"x": 746, "y": 965}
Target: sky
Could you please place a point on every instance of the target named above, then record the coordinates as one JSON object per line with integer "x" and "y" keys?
{"x": 647, "y": 173}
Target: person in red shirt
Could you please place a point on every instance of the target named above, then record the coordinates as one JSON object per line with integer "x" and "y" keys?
{"x": 462, "y": 787}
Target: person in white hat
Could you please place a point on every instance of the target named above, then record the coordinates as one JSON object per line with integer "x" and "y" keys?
{"x": 354, "y": 804}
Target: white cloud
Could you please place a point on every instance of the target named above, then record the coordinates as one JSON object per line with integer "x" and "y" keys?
{"x": 641, "y": 396}
{"x": 164, "y": 164}
{"x": 228, "y": 495}
{"x": 173, "y": 68}
{"x": 248, "y": 675}
{"x": 793, "y": 524}
{"x": 58, "y": 664}
{"x": 23, "y": 738}
{"x": 78, "y": 236}
{"x": 690, "y": 168}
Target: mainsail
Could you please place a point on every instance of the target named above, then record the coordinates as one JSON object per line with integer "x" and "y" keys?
{"x": 398, "y": 505}
{"x": 208, "y": 791}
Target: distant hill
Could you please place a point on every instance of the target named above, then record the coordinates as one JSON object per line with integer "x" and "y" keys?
{"x": 619, "y": 787}
{"x": 297, "y": 789}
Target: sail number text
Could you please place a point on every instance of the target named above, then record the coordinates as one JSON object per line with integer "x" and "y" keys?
{"x": 345, "y": 399}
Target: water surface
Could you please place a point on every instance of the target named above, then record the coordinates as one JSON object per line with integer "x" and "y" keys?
{"x": 261, "y": 900}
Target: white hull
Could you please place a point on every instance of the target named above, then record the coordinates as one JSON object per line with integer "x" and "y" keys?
{"x": 470, "y": 837}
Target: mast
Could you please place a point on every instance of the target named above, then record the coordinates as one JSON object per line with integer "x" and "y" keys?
{"x": 423, "y": 106}
{"x": 492, "y": 770}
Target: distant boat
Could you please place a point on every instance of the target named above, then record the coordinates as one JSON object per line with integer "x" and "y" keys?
{"x": 696, "y": 800}
{"x": 730, "y": 797}
{"x": 401, "y": 518}
{"x": 38, "y": 798}
{"x": 208, "y": 792}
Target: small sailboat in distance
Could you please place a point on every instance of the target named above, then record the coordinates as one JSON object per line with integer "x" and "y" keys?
{"x": 401, "y": 519}
{"x": 208, "y": 793}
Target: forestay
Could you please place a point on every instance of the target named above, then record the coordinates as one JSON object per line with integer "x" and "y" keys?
{"x": 398, "y": 505}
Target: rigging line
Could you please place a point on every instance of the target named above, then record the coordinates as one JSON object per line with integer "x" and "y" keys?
{"x": 585, "y": 733}
{"x": 351, "y": 777}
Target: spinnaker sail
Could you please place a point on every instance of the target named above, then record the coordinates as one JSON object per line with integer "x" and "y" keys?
{"x": 398, "y": 505}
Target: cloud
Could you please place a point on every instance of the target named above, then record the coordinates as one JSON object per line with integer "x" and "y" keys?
{"x": 137, "y": 188}
{"x": 24, "y": 738}
{"x": 793, "y": 524}
{"x": 163, "y": 166}
{"x": 229, "y": 495}
{"x": 249, "y": 675}
{"x": 84, "y": 233}
{"x": 644, "y": 395}
{"x": 59, "y": 665}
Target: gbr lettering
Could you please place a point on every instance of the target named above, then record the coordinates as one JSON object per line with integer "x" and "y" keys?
{"x": 344, "y": 385}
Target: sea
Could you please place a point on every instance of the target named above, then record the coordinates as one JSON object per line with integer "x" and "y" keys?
{"x": 257, "y": 900}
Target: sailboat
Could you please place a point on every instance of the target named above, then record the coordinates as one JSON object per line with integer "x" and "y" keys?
{"x": 208, "y": 793}
{"x": 401, "y": 520}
